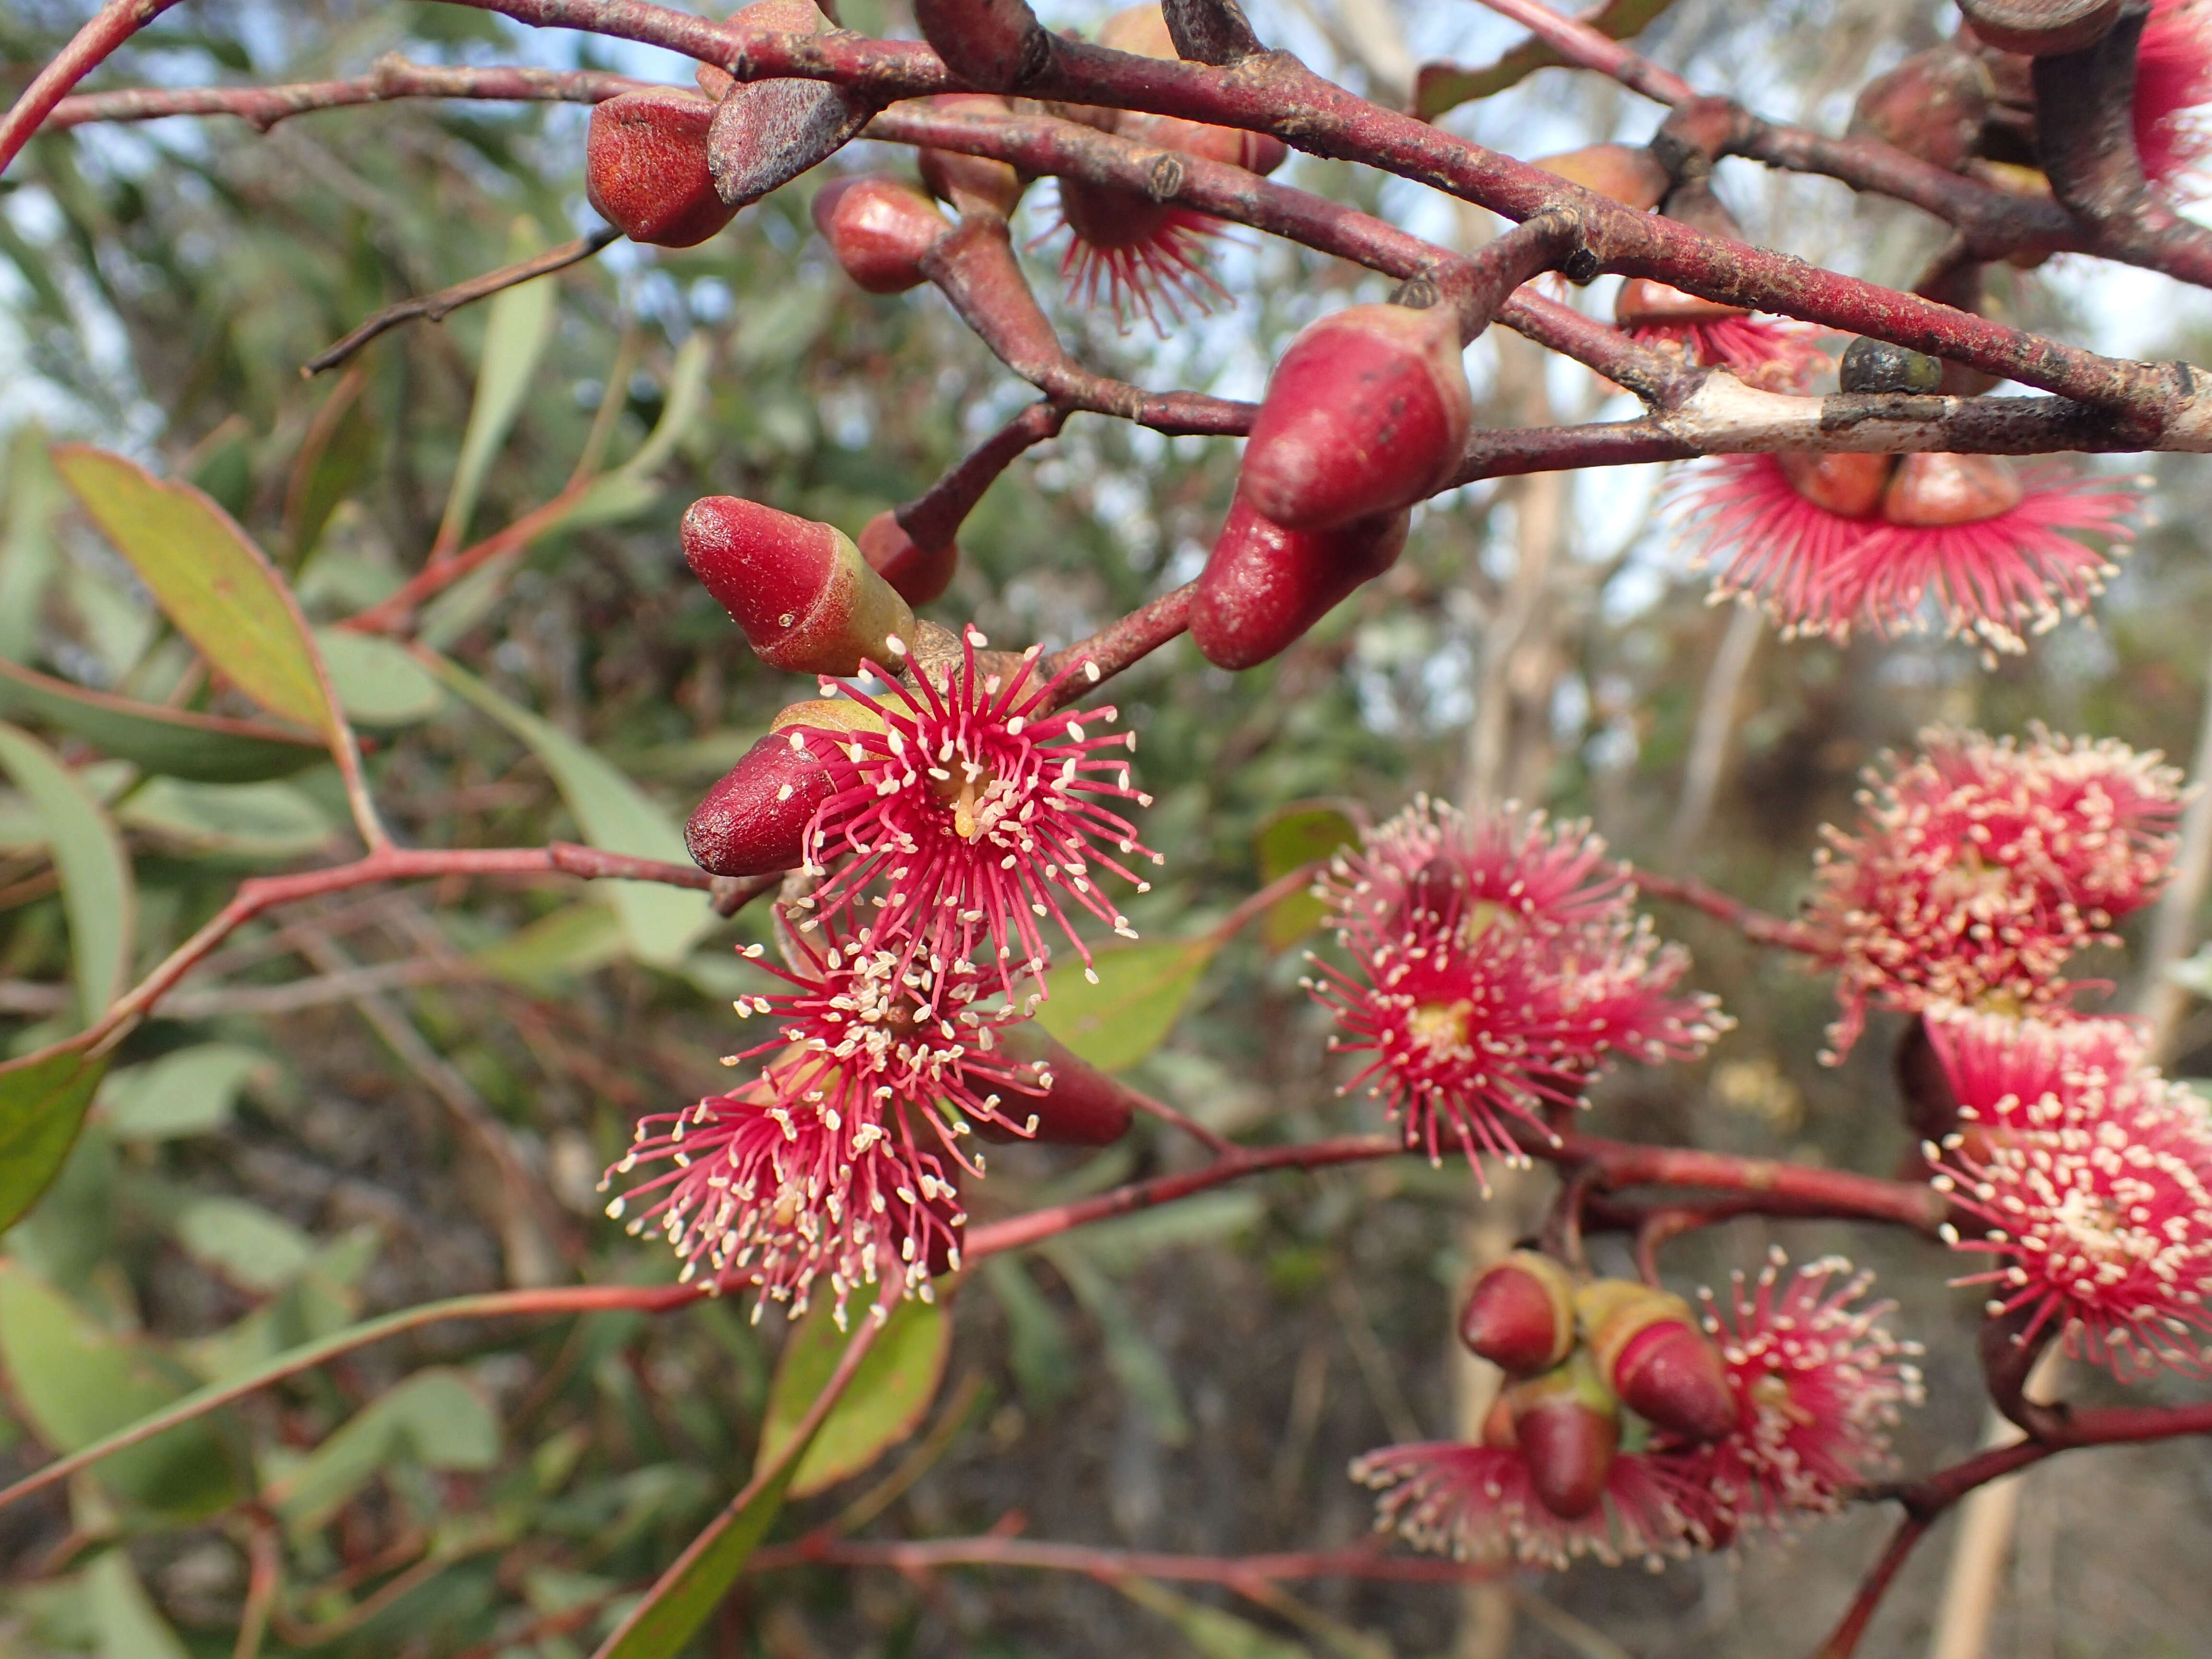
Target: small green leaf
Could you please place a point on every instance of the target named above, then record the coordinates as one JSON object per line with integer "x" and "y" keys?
{"x": 378, "y": 681}
{"x": 556, "y": 948}
{"x": 1211, "y": 1632}
{"x": 1137, "y": 1364}
{"x": 76, "y": 1382}
{"x": 661, "y": 923}
{"x": 188, "y": 1092}
{"x": 1299, "y": 834}
{"x": 661, "y": 1630}
{"x": 261, "y": 822}
{"x": 27, "y": 557}
{"x": 434, "y": 1417}
{"x": 210, "y": 581}
{"x": 520, "y": 324}
{"x": 340, "y": 444}
{"x": 127, "y": 1624}
{"x": 886, "y": 1401}
{"x": 170, "y": 742}
{"x": 254, "y": 1249}
{"x": 98, "y": 894}
{"x": 42, "y": 1102}
{"x": 1037, "y": 1344}
{"x": 1141, "y": 993}
{"x": 1120, "y": 1244}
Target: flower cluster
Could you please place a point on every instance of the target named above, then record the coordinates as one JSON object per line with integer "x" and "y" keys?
{"x": 1815, "y": 1381}
{"x": 2090, "y": 1177}
{"x": 1496, "y": 966}
{"x": 1979, "y": 868}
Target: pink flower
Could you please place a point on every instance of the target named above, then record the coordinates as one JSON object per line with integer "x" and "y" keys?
{"x": 1819, "y": 1383}
{"x": 2173, "y": 77}
{"x": 1476, "y": 1502}
{"x": 1776, "y": 354}
{"x": 1978, "y": 869}
{"x": 2014, "y": 569}
{"x": 2093, "y": 1177}
{"x": 1145, "y": 256}
{"x": 979, "y": 812}
{"x": 838, "y": 1158}
{"x": 1496, "y": 966}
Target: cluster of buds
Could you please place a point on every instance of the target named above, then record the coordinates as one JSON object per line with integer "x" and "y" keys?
{"x": 1629, "y": 1425}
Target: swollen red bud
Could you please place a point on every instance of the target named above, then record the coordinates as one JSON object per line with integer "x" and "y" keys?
{"x": 1642, "y": 301}
{"x": 1929, "y": 491}
{"x": 996, "y": 44}
{"x": 1568, "y": 1424}
{"x": 1521, "y": 1316}
{"x": 645, "y": 168}
{"x": 1070, "y": 1102}
{"x": 1932, "y": 106}
{"x": 1848, "y": 485}
{"x": 1628, "y": 173}
{"x": 754, "y": 820}
{"x": 805, "y": 598}
{"x": 880, "y": 230}
{"x": 1367, "y": 412}
{"x": 1647, "y": 1345}
{"x": 920, "y": 575}
{"x": 1263, "y": 585}
{"x": 971, "y": 182}
{"x": 766, "y": 133}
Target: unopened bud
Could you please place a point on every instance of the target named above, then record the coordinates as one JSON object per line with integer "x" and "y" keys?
{"x": 1521, "y": 1316}
{"x": 1932, "y": 106}
{"x": 1646, "y": 303}
{"x": 2040, "y": 28}
{"x": 1647, "y": 1344}
{"x": 645, "y": 168}
{"x": 1848, "y": 485}
{"x": 880, "y": 230}
{"x": 1263, "y": 585}
{"x": 918, "y": 573}
{"x": 1080, "y": 1107}
{"x": 806, "y": 600}
{"x": 1627, "y": 173}
{"x": 1568, "y": 1424}
{"x": 996, "y": 44}
{"x": 754, "y": 820}
{"x": 971, "y": 182}
{"x": 1367, "y": 412}
{"x": 766, "y": 133}
{"x": 1932, "y": 490}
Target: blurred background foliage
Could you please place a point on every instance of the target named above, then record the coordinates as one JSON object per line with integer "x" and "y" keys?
{"x": 393, "y": 1096}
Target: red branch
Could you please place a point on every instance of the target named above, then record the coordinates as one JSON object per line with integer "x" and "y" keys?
{"x": 110, "y": 26}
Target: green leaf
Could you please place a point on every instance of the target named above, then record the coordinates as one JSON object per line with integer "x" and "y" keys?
{"x": 189, "y": 1091}
{"x": 1137, "y": 1365}
{"x": 1037, "y": 1344}
{"x": 261, "y": 822}
{"x": 210, "y": 581}
{"x": 1120, "y": 1244}
{"x": 1141, "y": 993}
{"x": 76, "y": 1382}
{"x": 556, "y": 948}
{"x": 42, "y": 1102}
{"x": 98, "y": 894}
{"x": 661, "y": 1630}
{"x": 661, "y": 923}
{"x": 1210, "y": 1632}
{"x": 520, "y": 324}
{"x": 254, "y": 1249}
{"x": 340, "y": 444}
{"x": 378, "y": 681}
{"x": 123, "y": 1617}
{"x": 27, "y": 557}
{"x": 885, "y": 1402}
{"x": 1299, "y": 834}
{"x": 170, "y": 742}
{"x": 434, "y": 1417}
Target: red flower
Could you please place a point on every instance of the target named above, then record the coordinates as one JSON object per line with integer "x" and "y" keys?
{"x": 1819, "y": 1383}
{"x": 2092, "y": 1176}
{"x": 1997, "y": 578}
{"x": 980, "y": 813}
{"x": 1978, "y": 869}
{"x": 2173, "y": 77}
{"x": 1497, "y": 966}
{"x": 1139, "y": 254}
{"x": 824, "y": 1164}
{"x": 1776, "y": 354}
{"x": 1476, "y": 1502}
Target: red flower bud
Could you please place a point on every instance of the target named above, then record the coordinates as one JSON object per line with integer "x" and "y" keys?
{"x": 805, "y": 598}
{"x": 920, "y": 575}
{"x": 1647, "y": 1345}
{"x": 754, "y": 821}
{"x": 1521, "y": 1316}
{"x": 1264, "y": 587}
{"x": 1929, "y": 491}
{"x": 1367, "y": 412}
{"x": 1644, "y": 301}
{"x": 1848, "y": 485}
{"x": 996, "y": 44}
{"x": 1073, "y": 1103}
{"x": 1932, "y": 106}
{"x": 766, "y": 133}
{"x": 1628, "y": 173}
{"x": 645, "y": 168}
{"x": 1569, "y": 1427}
{"x": 2040, "y": 28}
{"x": 972, "y": 182}
{"x": 879, "y": 228}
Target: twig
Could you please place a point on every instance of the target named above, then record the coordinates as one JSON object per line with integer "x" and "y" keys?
{"x": 108, "y": 29}
{"x": 435, "y": 308}
{"x": 934, "y": 518}
{"x": 1119, "y": 644}
{"x": 1580, "y": 45}
{"x": 995, "y": 1550}
{"x": 1753, "y": 924}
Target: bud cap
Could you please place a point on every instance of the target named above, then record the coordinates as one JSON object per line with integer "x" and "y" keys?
{"x": 1521, "y": 1316}
{"x": 806, "y": 600}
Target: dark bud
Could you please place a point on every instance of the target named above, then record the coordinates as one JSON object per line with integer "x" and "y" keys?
{"x": 1263, "y": 585}
{"x": 880, "y": 230}
{"x": 1877, "y": 366}
{"x": 645, "y": 168}
{"x": 1932, "y": 106}
{"x": 919, "y": 574}
{"x": 1063, "y": 1101}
